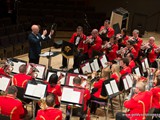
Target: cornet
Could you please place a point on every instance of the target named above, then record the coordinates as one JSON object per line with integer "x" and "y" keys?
{"x": 103, "y": 31}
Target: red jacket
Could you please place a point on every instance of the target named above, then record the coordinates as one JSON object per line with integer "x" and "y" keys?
{"x": 11, "y": 107}
{"x": 98, "y": 85}
{"x": 156, "y": 97}
{"x": 138, "y": 105}
{"x": 132, "y": 64}
{"x": 97, "y": 46}
{"x": 152, "y": 54}
{"x": 125, "y": 70}
{"x": 86, "y": 98}
{"x": 56, "y": 90}
{"x": 137, "y": 46}
{"x": 21, "y": 80}
{"x": 79, "y": 44}
{"x": 110, "y": 32}
{"x": 49, "y": 113}
{"x": 112, "y": 54}
{"x": 115, "y": 76}
{"x": 124, "y": 41}
{"x": 2, "y": 72}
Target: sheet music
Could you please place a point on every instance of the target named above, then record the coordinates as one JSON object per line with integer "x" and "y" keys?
{"x": 74, "y": 96}
{"x": 86, "y": 68}
{"x": 125, "y": 84}
{"x": 4, "y": 82}
{"x": 96, "y": 65}
{"x": 71, "y": 80}
{"x": 137, "y": 71}
{"x": 41, "y": 70}
{"x": 49, "y": 74}
{"x": 109, "y": 89}
{"x": 114, "y": 86}
{"x": 129, "y": 80}
{"x": 83, "y": 76}
{"x": 146, "y": 62}
{"x": 76, "y": 71}
{"x": 62, "y": 80}
{"x": 92, "y": 66}
{"x": 104, "y": 61}
{"x": 84, "y": 83}
{"x": 143, "y": 67}
{"x": 17, "y": 65}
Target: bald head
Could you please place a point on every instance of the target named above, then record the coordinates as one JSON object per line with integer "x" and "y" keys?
{"x": 35, "y": 29}
{"x": 151, "y": 40}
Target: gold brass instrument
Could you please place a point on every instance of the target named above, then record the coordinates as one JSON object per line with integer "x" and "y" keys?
{"x": 107, "y": 45}
{"x": 89, "y": 40}
{"x": 157, "y": 50}
{"x": 42, "y": 103}
{"x": 7, "y": 65}
{"x": 32, "y": 70}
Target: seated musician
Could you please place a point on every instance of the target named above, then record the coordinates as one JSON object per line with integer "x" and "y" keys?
{"x": 5, "y": 68}
{"x": 49, "y": 112}
{"x": 138, "y": 105}
{"x": 97, "y": 90}
{"x": 77, "y": 83}
{"x": 110, "y": 49}
{"x": 21, "y": 79}
{"x": 11, "y": 106}
{"x": 106, "y": 32}
{"x": 115, "y": 72}
{"x": 55, "y": 88}
{"x": 77, "y": 39}
{"x": 130, "y": 57}
{"x": 94, "y": 43}
{"x": 122, "y": 38}
{"x": 124, "y": 62}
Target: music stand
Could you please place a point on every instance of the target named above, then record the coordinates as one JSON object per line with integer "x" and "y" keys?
{"x": 94, "y": 65}
{"x": 103, "y": 61}
{"x": 4, "y": 82}
{"x": 86, "y": 68}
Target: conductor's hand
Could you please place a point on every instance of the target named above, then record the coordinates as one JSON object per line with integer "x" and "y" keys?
{"x": 44, "y": 32}
{"x": 51, "y": 32}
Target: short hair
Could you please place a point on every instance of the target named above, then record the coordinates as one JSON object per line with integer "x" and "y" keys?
{"x": 80, "y": 28}
{"x": 107, "y": 21}
{"x": 105, "y": 73}
{"x": 136, "y": 31}
{"x": 153, "y": 38}
{"x": 50, "y": 100}
{"x": 131, "y": 56}
{"x": 131, "y": 42}
{"x": 53, "y": 79}
{"x": 12, "y": 90}
{"x": 77, "y": 80}
{"x": 22, "y": 69}
{"x": 141, "y": 86}
{"x": 124, "y": 30}
{"x": 125, "y": 61}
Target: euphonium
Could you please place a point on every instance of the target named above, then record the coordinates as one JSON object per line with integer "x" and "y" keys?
{"x": 42, "y": 104}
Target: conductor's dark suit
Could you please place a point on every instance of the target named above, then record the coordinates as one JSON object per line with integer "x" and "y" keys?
{"x": 35, "y": 46}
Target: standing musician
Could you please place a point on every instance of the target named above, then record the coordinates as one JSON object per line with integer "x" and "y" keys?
{"x": 124, "y": 62}
{"x": 35, "y": 39}
{"x": 21, "y": 79}
{"x": 77, "y": 39}
{"x": 10, "y": 106}
{"x": 106, "y": 32}
{"x": 49, "y": 113}
{"x": 77, "y": 83}
{"x": 111, "y": 48}
{"x": 122, "y": 38}
{"x": 138, "y": 105}
{"x": 94, "y": 43}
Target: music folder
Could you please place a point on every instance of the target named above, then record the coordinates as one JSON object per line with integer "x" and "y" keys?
{"x": 16, "y": 64}
{"x": 145, "y": 64}
{"x": 103, "y": 61}
{"x": 71, "y": 76}
{"x": 94, "y": 65}
{"x": 127, "y": 81}
{"x": 72, "y": 95}
{"x": 111, "y": 87}
{"x": 136, "y": 71}
{"x": 35, "y": 91}
{"x": 4, "y": 82}
{"x": 86, "y": 68}
{"x": 59, "y": 73}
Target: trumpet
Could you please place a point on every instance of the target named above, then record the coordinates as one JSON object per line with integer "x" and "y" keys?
{"x": 121, "y": 50}
{"x": 157, "y": 50}
{"x": 107, "y": 45}
{"x": 89, "y": 40}
{"x": 103, "y": 31}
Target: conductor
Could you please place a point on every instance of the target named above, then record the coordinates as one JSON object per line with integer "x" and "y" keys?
{"x": 35, "y": 39}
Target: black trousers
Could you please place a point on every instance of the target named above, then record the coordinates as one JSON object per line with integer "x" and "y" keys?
{"x": 121, "y": 116}
{"x": 36, "y": 60}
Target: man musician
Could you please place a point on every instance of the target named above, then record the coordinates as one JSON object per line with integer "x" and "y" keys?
{"x": 106, "y": 32}
{"x": 77, "y": 39}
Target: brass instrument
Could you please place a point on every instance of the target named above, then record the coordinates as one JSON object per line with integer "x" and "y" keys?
{"x": 107, "y": 45}
{"x": 150, "y": 79}
{"x": 32, "y": 70}
{"x": 89, "y": 40}
{"x": 121, "y": 51}
{"x": 157, "y": 50}
{"x": 42, "y": 104}
{"x": 7, "y": 65}
{"x": 103, "y": 31}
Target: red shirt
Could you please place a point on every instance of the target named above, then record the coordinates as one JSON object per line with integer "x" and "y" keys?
{"x": 152, "y": 54}
{"x": 49, "y": 113}
{"x": 98, "y": 85}
{"x": 137, "y": 46}
{"x": 11, "y": 107}
{"x": 79, "y": 42}
{"x": 86, "y": 98}
{"x": 139, "y": 104}
{"x": 125, "y": 70}
{"x": 124, "y": 41}
{"x": 97, "y": 46}
{"x": 110, "y": 32}
{"x": 132, "y": 64}
{"x": 156, "y": 97}
{"x": 56, "y": 90}
{"x": 2, "y": 72}
{"x": 112, "y": 54}
{"x": 21, "y": 80}
{"x": 115, "y": 76}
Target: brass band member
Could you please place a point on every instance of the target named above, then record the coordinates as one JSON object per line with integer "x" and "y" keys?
{"x": 106, "y": 32}
{"x": 125, "y": 69}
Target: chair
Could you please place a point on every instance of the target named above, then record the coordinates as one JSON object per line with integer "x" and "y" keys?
{"x": 4, "y": 117}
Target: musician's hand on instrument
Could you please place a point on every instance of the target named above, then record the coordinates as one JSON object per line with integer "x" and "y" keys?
{"x": 59, "y": 82}
{"x": 51, "y": 32}
{"x": 44, "y": 32}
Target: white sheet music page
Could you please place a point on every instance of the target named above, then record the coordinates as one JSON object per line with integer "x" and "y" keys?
{"x": 143, "y": 67}
{"x": 88, "y": 67}
{"x": 49, "y": 74}
{"x": 114, "y": 86}
{"x": 62, "y": 80}
{"x": 30, "y": 89}
{"x": 4, "y": 82}
{"x": 129, "y": 80}
{"x": 71, "y": 80}
{"x": 69, "y": 95}
{"x": 96, "y": 65}
{"x": 76, "y": 71}
{"x": 125, "y": 84}
{"x": 103, "y": 61}
{"x": 137, "y": 71}
{"x": 146, "y": 62}
{"x": 40, "y": 90}
{"x": 16, "y": 66}
{"x": 109, "y": 89}
{"x": 41, "y": 70}
{"x": 92, "y": 66}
